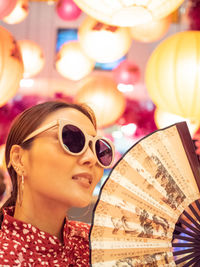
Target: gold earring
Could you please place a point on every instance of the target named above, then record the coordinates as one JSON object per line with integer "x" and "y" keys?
{"x": 20, "y": 190}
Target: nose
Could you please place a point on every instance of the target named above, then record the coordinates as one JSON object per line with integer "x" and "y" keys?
{"x": 88, "y": 157}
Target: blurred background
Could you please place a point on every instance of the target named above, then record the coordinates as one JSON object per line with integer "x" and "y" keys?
{"x": 136, "y": 63}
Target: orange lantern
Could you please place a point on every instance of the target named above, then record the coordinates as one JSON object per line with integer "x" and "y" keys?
{"x": 128, "y": 13}
{"x": 31, "y": 52}
{"x": 19, "y": 13}
{"x": 151, "y": 31}
{"x": 172, "y": 75}
{"x": 11, "y": 66}
{"x": 72, "y": 63}
{"x": 164, "y": 119}
{"x": 101, "y": 94}
{"x": 103, "y": 43}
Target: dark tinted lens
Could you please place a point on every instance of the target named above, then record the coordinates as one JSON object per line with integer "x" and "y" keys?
{"x": 104, "y": 152}
{"x": 73, "y": 138}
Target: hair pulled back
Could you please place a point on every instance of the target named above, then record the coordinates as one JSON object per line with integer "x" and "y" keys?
{"x": 26, "y": 123}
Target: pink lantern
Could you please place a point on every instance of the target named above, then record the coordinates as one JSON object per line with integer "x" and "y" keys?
{"x": 141, "y": 113}
{"x": 6, "y": 7}
{"x": 67, "y": 10}
{"x": 127, "y": 72}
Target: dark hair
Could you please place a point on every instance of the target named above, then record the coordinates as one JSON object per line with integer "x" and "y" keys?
{"x": 25, "y": 124}
{"x": 2, "y": 184}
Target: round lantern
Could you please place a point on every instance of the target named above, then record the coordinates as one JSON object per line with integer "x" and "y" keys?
{"x": 101, "y": 94}
{"x": 6, "y": 7}
{"x": 172, "y": 75}
{"x": 128, "y": 13}
{"x": 11, "y": 67}
{"x": 164, "y": 119}
{"x": 67, "y": 10}
{"x": 151, "y": 31}
{"x": 18, "y": 14}
{"x": 103, "y": 43}
{"x": 126, "y": 72}
{"x": 33, "y": 57}
{"x": 72, "y": 63}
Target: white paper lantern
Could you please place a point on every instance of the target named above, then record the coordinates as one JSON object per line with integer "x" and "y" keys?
{"x": 33, "y": 57}
{"x": 102, "y": 42}
{"x": 72, "y": 63}
{"x": 128, "y": 13}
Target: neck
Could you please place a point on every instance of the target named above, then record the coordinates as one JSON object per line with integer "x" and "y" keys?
{"x": 46, "y": 215}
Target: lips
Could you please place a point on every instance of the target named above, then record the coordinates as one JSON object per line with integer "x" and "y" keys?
{"x": 85, "y": 179}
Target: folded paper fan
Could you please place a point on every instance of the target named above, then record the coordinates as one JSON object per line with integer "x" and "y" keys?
{"x": 148, "y": 213}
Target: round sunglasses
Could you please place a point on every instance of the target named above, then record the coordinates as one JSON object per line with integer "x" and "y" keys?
{"x": 75, "y": 141}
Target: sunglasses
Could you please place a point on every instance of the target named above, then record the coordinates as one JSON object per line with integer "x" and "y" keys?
{"x": 75, "y": 141}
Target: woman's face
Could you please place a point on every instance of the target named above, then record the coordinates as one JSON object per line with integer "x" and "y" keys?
{"x": 54, "y": 175}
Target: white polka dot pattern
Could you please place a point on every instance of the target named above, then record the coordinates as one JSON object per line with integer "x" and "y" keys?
{"x": 23, "y": 245}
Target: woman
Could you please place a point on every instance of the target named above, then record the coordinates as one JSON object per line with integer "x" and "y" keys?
{"x": 55, "y": 160}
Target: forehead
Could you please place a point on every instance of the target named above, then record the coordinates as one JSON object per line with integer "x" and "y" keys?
{"x": 72, "y": 115}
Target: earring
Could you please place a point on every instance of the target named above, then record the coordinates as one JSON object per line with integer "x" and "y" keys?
{"x": 20, "y": 190}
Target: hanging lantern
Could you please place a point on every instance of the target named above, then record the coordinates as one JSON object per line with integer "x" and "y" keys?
{"x": 103, "y": 43}
{"x": 151, "y": 31}
{"x": 164, "y": 119}
{"x": 6, "y": 7}
{"x": 72, "y": 63}
{"x": 19, "y": 13}
{"x": 126, "y": 72}
{"x": 11, "y": 67}
{"x": 31, "y": 53}
{"x": 172, "y": 75}
{"x": 67, "y": 10}
{"x": 101, "y": 94}
{"x": 128, "y": 13}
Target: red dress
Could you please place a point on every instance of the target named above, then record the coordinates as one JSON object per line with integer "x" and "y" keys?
{"x": 22, "y": 244}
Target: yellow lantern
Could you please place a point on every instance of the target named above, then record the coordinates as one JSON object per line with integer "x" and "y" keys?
{"x": 172, "y": 75}
{"x": 33, "y": 57}
{"x": 102, "y": 95}
{"x": 19, "y": 13}
{"x": 128, "y": 13}
{"x": 164, "y": 119}
{"x": 11, "y": 66}
{"x": 151, "y": 31}
{"x": 72, "y": 63}
{"x": 103, "y": 43}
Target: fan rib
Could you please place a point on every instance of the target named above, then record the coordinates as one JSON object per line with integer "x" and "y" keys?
{"x": 190, "y": 226}
{"x": 184, "y": 251}
{"x": 197, "y": 263}
{"x": 184, "y": 238}
{"x": 191, "y": 219}
{"x": 194, "y": 260}
{"x": 195, "y": 254}
{"x": 182, "y": 230}
{"x": 182, "y": 245}
{"x": 198, "y": 204}
{"x": 194, "y": 212}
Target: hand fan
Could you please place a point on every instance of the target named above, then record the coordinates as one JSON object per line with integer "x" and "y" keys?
{"x": 148, "y": 213}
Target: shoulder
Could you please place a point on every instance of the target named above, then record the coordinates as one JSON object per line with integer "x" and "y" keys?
{"x": 9, "y": 251}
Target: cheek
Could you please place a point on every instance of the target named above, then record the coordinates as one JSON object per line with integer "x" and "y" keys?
{"x": 99, "y": 174}
{"x": 49, "y": 165}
